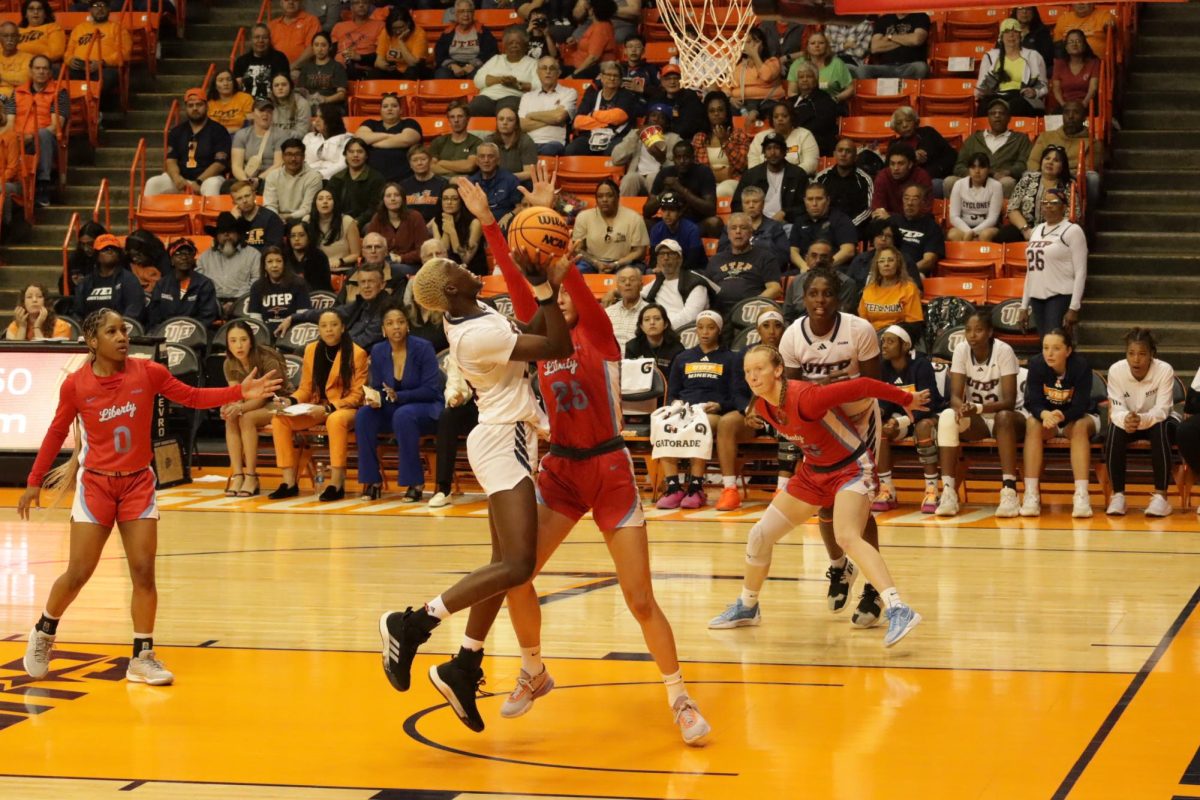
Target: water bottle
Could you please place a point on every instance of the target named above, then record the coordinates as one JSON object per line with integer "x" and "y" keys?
{"x": 319, "y": 476}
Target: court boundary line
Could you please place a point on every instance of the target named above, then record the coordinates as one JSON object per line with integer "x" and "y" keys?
{"x": 1126, "y": 698}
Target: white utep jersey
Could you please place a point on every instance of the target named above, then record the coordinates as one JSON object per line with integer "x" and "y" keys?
{"x": 481, "y": 347}
{"x": 983, "y": 377}
{"x": 851, "y": 341}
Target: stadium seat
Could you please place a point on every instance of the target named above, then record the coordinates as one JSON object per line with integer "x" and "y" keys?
{"x": 365, "y": 96}
{"x": 971, "y": 259}
{"x": 581, "y": 174}
{"x": 493, "y": 285}
{"x": 946, "y": 58}
{"x": 710, "y": 246}
{"x": 580, "y": 85}
{"x": 953, "y": 129}
{"x": 973, "y": 290}
{"x": 867, "y": 130}
{"x": 659, "y": 52}
{"x": 431, "y": 127}
{"x": 973, "y": 25}
{"x": 168, "y": 214}
{"x": 1015, "y": 264}
{"x": 1001, "y": 289}
{"x": 638, "y": 204}
{"x": 430, "y": 20}
{"x": 724, "y": 207}
{"x": 948, "y": 96}
{"x": 869, "y": 99}
{"x": 435, "y": 96}
{"x": 752, "y": 129}
{"x": 497, "y": 19}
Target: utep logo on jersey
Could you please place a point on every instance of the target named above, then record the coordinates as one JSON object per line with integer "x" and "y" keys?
{"x": 982, "y": 386}
{"x": 1057, "y": 394}
{"x": 704, "y": 369}
{"x": 825, "y": 369}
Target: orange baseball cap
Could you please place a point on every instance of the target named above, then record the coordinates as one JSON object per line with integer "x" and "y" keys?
{"x": 106, "y": 240}
{"x": 194, "y": 94}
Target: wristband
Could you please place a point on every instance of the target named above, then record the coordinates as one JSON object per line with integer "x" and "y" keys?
{"x": 544, "y": 292}
{"x": 902, "y": 426}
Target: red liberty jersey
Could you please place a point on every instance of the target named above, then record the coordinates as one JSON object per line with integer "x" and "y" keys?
{"x": 822, "y": 431}
{"x": 115, "y": 414}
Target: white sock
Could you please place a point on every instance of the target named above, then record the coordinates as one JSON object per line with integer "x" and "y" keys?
{"x": 886, "y": 479}
{"x": 531, "y": 660}
{"x": 1006, "y": 477}
{"x": 838, "y": 563}
{"x": 782, "y": 481}
{"x": 48, "y": 615}
{"x": 948, "y": 482}
{"x": 474, "y": 645}
{"x": 1081, "y": 487}
{"x": 675, "y": 687}
{"x": 1031, "y": 486}
{"x": 891, "y": 597}
{"x": 436, "y": 608}
{"x": 749, "y": 598}
{"x": 729, "y": 481}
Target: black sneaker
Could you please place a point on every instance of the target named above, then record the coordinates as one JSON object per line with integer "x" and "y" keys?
{"x": 402, "y": 633}
{"x": 841, "y": 581}
{"x": 458, "y": 680}
{"x": 870, "y": 608}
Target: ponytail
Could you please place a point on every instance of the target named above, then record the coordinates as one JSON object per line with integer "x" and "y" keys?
{"x": 58, "y": 479}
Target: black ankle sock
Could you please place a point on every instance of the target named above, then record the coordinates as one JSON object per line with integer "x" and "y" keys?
{"x": 48, "y": 626}
{"x": 694, "y": 485}
{"x": 444, "y": 489}
{"x": 672, "y": 484}
{"x": 142, "y": 644}
{"x": 1009, "y": 483}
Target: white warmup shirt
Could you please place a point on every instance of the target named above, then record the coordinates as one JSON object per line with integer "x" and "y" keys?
{"x": 851, "y": 341}
{"x": 1149, "y": 398}
{"x": 1057, "y": 260}
{"x": 481, "y": 346}
{"x": 983, "y": 377}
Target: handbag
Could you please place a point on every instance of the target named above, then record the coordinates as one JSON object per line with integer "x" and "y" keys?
{"x": 680, "y": 431}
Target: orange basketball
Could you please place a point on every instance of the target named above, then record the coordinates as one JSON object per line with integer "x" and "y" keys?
{"x": 541, "y": 233}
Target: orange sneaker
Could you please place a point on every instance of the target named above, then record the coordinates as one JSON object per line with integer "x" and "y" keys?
{"x": 730, "y": 499}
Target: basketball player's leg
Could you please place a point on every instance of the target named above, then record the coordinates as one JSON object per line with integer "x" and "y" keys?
{"x": 140, "y": 537}
{"x": 1032, "y": 459}
{"x": 731, "y": 431}
{"x": 951, "y": 431}
{"x": 1008, "y": 427}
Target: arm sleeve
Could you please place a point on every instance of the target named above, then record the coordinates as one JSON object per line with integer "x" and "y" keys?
{"x": 524, "y": 303}
{"x": 1075, "y": 239}
{"x": 1116, "y": 407}
{"x": 60, "y": 426}
{"x": 697, "y": 301}
{"x": 593, "y": 321}
{"x": 815, "y": 403}
{"x": 179, "y": 392}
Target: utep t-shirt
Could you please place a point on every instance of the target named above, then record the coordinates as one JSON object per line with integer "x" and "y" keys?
{"x": 741, "y": 276}
{"x": 983, "y": 377}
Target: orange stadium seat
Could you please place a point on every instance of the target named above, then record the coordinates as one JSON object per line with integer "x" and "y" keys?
{"x": 942, "y": 53}
{"x": 973, "y": 290}
{"x": 868, "y": 99}
{"x": 365, "y": 96}
{"x": 973, "y": 25}
{"x": 949, "y": 96}
{"x": 953, "y": 129}
{"x": 497, "y": 19}
{"x": 435, "y": 96}
{"x": 967, "y": 259}
{"x": 580, "y": 174}
{"x": 866, "y": 130}
{"x": 168, "y": 214}
{"x": 1015, "y": 264}
{"x": 1001, "y": 289}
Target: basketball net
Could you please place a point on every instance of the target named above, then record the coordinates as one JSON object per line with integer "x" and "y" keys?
{"x": 709, "y": 38}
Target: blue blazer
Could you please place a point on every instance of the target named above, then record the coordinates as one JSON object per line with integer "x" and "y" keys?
{"x": 422, "y": 382}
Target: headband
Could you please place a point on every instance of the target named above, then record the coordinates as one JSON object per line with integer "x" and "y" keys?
{"x": 899, "y": 333}
{"x": 713, "y": 316}
{"x": 770, "y": 314}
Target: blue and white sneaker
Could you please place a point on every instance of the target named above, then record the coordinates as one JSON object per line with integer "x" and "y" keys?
{"x": 901, "y": 620}
{"x": 737, "y": 616}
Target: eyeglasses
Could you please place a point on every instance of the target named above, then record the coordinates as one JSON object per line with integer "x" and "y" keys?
{"x": 1052, "y": 202}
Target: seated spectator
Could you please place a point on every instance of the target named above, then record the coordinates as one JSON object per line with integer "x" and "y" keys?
{"x": 891, "y": 183}
{"x": 231, "y": 267}
{"x": 719, "y": 145}
{"x": 851, "y": 190}
{"x": 710, "y": 375}
{"x": 541, "y": 43}
{"x": 375, "y": 257}
{"x": 358, "y": 188}
{"x": 743, "y": 271}
{"x": 879, "y": 233}
{"x": 399, "y": 48}
{"x": 500, "y": 185}
{"x": 244, "y": 419}
{"x": 802, "y": 149}
{"x": 645, "y": 151}
{"x": 324, "y": 147}
{"x": 821, "y": 220}
{"x": 259, "y": 226}
{"x": 407, "y": 404}
{"x": 256, "y": 150}
{"x": 626, "y": 309}
{"x": 1007, "y": 149}
{"x": 673, "y": 225}
{"x": 975, "y": 203}
{"x": 765, "y": 233}
{"x": 302, "y": 257}
{"x": 40, "y": 111}
{"x": 388, "y": 139}
{"x": 693, "y": 184}
{"x": 332, "y": 380}
{"x": 1035, "y": 34}
{"x": 982, "y": 403}
{"x": 110, "y": 284}
{"x": 322, "y": 79}
{"x": 610, "y": 236}
{"x": 922, "y": 240}
{"x": 183, "y": 292}
{"x": 454, "y": 152}
{"x": 255, "y": 68}
{"x": 900, "y": 366}
{"x": 1058, "y": 399}
{"x": 757, "y": 79}
{"x": 1057, "y": 256}
{"x": 1025, "y": 209}
{"x": 1085, "y": 18}
{"x": 114, "y": 51}
{"x": 363, "y": 314}
{"x": 41, "y": 35}
{"x": 1076, "y": 77}
{"x": 1141, "y": 397}
{"x": 463, "y": 48}
{"x": 833, "y": 76}
{"x": 814, "y": 110}
{"x": 279, "y": 292}
{"x": 819, "y": 255}
{"x": 934, "y": 153}
{"x": 423, "y": 189}
{"x": 1014, "y": 73}
{"x": 459, "y": 231}
{"x": 1073, "y": 137}
{"x": 899, "y": 47}
{"x": 335, "y": 231}
{"x": 851, "y": 41}
{"x": 518, "y": 153}
{"x": 422, "y": 322}
{"x": 293, "y": 112}
{"x": 655, "y": 338}
{"x": 402, "y": 228}
{"x": 604, "y": 115}
{"x": 289, "y": 192}
{"x": 506, "y": 76}
{"x": 228, "y": 106}
{"x": 688, "y": 115}
{"x": 198, "y": 152}
{"x": 782, "y": 183}
{"x": 293, "y": 31}
{"x": 11, "y": 149}
{"x": 640, "y": 78}
{"x": 356, "y": 40}
{"x": 598, "y": 44}
{"x": 14, "y": 62}
{"x": 458, "y": 419}
{"x": 147, "y": 259}
{"x": 890, "y": 297}
{"x": 83, "y": 258}
{"x": 34, "y": 319}
{"x": 546, "y": 112}
{"x": 680, "y": 294}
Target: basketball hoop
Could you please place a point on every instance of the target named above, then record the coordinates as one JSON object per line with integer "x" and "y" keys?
{"x": 709, "y": 38}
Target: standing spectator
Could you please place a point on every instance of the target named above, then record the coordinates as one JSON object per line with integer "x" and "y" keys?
{"x": 1076, "y": 77}
{"x": 256, "y": 67}
{"x": 1007, "y": 149}
{"x": 293, "y": 32}
{"x": 899, "y": 47}
{"x": 604, "y": 115}
{"x": 244, "y": 419}
{"x": 293, "y": 112}
{"x": 922, "y": 242}
{"x": 423, "y": 189}
{"x": 324, "y": 147}
{"x": 1013, "y": 72}
{"x": 183, "y": 292}
{"x": 463, "y": 48}
{"x": 357, "y": 39}
{"x": 975, "y": 203}
{"x": 518, "y": 153}
{"x": 851, "y": 190}
{"x": 627, "y": 308}
{"x": 1085, "y": 18}
{"x": 1057, "y": 256}
{"x": 290, "y": 191}
{"x": 305, "y": 259}
{"x": 934, "y": 153}
{"x": 646, "y": 151}
{"x": 259, "y": 226}
{"x": 655, "y": 338}
{"x": 322, "y": 78}
{"x": 546, "y": 112}
{"x": 598, "y": 43}
{"x": 782, "y": 182}
{"x": 335, "y": 231}
{"x": 743, "y": 271}
{"x": 814, "y": 110}
{"x": 402, "y": 228}
{"x": 279, "y": 292}
{"x": 688, "y": 116}
{"x": 400, "y": 48}
{"x": 679, "y": 294}
{"x": 765, "y": 233}
{"x": 498, "y": 184}
{"x": 41, "y": 35}
{"x": 255, "y": 151}
{"x": 454, "y": 152}
{"x": 358, "y": 188}
{"x": 1025, "y": 209}
{"x": 113, "y": 51}
{"x": 34, "y": 320}
{"x": 802, "y": 149}
{"x": 640, "y": 78}
{"x": 891, "y": 183}
{"x": 821, "y": 220}
{"x": 389, "y": 138}
{"x": 693, "y": 184}
{"x": 14, "y": 62}
{"x": 506, "y": 76}
{"x": 673, "y": 225}
{"x": 890, "y": 296}
{"x": 1035, "y": 34}
{"x": 833, "y": 76}
{"x": 1077, "y": 141}
{"x": 541, "y": 43}
{"x": 109, "y": 284}
{"x": 459, "y": 231}
{"x": 720, "y": 146}
{"x": 757, "y": 79}
{"x": 231, "y": 267}
{"x": 1140, "y": 395}
{"x": 610, "y": 236}
{"x": 228, "y": 106}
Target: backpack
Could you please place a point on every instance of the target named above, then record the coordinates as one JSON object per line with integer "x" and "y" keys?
{"x": 943, "y": 313}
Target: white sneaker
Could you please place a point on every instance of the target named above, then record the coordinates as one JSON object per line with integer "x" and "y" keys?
{"x": 37, "y": 653}
{"x": 1116, "y": 506}
{"x": 439, "y": 500}
{"x": 1159, "y": 507}
{"x": 692, "y": 725}
{"x": 948, "y": 505}
{"x": 148, "y": 669}
{"x": 1082, "y": 507}
{"x": 1031, "y": 505}
{"x": 527, "y": 690}
{"x": 1009, "y": 507}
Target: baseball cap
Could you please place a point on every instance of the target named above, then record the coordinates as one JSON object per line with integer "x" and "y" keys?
{"x": 671, "y": 245}
{"x": 1010, "y": 24}
{"x": 181, "y": 244}
{"x": 105, "y": 240}
{"x": 773, "y": 138}
{"x": 669, "y": 69}
{"x": 262, "y": 103}
{"x": 194, "y": 94}
{"x": 998, "y": 100}
{"x": 670, "y": 200}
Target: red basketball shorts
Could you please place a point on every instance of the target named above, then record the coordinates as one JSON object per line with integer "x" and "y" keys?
{"x": 819, "y": 488}
{"x": 604, "y": 484}
{"x": 105, "y": 500}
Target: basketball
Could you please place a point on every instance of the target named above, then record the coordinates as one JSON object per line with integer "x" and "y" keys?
{"x": 540, "y": 233}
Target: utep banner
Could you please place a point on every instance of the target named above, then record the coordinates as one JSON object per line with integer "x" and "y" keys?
{"x": 29, "y": 384}
{"x": 862, "y": 7}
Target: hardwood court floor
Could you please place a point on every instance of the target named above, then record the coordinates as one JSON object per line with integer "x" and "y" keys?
{"x": 1054, "y": 661}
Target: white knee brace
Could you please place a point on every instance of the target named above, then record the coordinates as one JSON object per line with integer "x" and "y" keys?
{"x": 947, "y": 429}
{"x": 770, "y": 528}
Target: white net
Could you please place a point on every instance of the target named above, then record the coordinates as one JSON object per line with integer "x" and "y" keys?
{"x": 709, "y": 37}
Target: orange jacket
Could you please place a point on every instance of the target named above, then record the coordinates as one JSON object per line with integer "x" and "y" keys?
{"x": 115, "y": 48}
{"x": 10, "y": 156}
{"x": 335, "y": 393}
{"x": 41, "y": 105}
{"x": 293, "y": 38}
